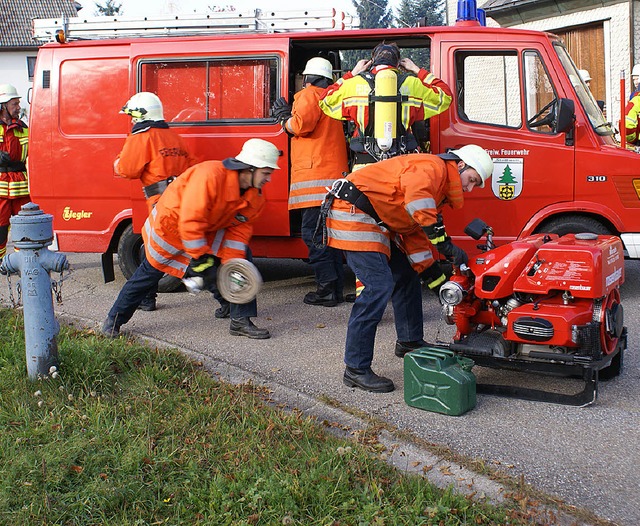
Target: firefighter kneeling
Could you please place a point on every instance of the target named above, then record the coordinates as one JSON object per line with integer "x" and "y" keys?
{"x": 203, "y": 219}
{"x": 385, "y": 218}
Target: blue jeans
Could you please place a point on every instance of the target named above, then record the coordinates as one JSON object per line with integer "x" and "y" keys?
{"x": 327, "y": 263}
{"x": 144, "y": 280}
{"x": 383, "y": 280}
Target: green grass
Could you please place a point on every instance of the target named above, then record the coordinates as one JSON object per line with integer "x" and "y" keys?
{"x": 128, "y": 435}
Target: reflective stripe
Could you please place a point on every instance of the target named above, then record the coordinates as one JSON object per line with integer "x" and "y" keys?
{"x": 167, "y": 247}
{"x": 307, "y": 198}
{"x": 322, "y": 183}
{"x": 358, "y": 236}
{"x": 217, "y": 241}
{"x": 195, "y": 243}
{"x": 166, "y": 262}
{"x": 421, "y": 257}
{"x": 437, "y": 281}
{"x": 428, "y": 203}
{"x": 359, "y": 217}
{"x": 236, "y": 245}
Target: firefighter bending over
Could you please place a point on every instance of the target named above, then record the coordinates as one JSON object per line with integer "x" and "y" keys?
{"x": 204, "y": 218}
{"x": 153, "y": 153}
{"x": 14, "y": 143}
{"x": 385, "y": 219}
{"x": 384, "y": 97}
{"x": 318, "y": 158}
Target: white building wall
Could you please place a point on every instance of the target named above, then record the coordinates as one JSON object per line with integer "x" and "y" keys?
{"x": 15, "y": 71}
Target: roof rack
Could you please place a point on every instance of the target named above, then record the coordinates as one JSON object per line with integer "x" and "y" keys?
{"x": 66, "y": 28}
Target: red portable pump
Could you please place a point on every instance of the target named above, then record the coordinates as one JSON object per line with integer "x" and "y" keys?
{"x": 544, "y": 304}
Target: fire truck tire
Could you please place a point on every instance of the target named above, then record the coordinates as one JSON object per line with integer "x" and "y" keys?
{"x": 573, "y": 224}
{"x": 130, "y": 250}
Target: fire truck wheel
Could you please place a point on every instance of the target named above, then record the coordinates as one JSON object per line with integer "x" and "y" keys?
{"x": 573, "y": 224}
{"x": 130, "y": 250}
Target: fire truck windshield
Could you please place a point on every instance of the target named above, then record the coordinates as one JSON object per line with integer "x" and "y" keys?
{"x": 597, "y": 119}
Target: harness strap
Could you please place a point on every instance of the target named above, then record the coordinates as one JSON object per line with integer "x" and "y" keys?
{"x": 158, "y": 188}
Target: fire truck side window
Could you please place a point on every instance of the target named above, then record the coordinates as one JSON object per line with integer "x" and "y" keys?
{"x": 202, "y": 91}
{"x": 540, "y": 97}
{"x": 488, "y": 87}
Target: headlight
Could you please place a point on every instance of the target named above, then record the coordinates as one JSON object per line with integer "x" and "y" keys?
{"x": 451, "y": 293}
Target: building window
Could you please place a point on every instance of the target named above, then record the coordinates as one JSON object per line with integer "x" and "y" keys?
{"x": 31, "y": 66}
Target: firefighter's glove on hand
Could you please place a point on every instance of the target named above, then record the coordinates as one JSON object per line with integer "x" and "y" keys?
{"x": 204, "y": 267}
{"x": 442, "y": 242}
{"x": 281, "y": 110}
{"x": 5, "y": 159}
{"x": 434, "y": 278}
{"x": 452, "y": 252}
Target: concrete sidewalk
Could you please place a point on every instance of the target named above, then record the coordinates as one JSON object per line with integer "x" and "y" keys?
{"x": 585, "y": 457}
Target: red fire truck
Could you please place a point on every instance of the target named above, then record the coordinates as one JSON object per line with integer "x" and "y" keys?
{"x": 517, "y": 93}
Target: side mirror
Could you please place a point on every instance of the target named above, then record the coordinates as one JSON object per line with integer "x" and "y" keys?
{"x": 565, "y": 115}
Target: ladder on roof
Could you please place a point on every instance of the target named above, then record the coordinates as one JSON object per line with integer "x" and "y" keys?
{"x": 47, "y": 29}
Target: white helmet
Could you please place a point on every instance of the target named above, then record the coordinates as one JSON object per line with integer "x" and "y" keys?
{"x": 8, "y": 92}
{"x": 635, "y": 72}
{"x": 144, "y": 106}
{"x": 478, "y": 159}
{"x": 259, "y": 154}
{"x": 319, "y": 66}
{"x": 584, "y": 75}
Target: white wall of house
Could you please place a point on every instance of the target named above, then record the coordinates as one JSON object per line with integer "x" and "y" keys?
{"x": 617, "y": 42}
{"x": 15, "y": 71}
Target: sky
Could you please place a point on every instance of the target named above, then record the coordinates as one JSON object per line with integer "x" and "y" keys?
{"x": 134, "y": 8}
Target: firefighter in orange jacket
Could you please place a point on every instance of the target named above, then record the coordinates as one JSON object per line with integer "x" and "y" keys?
{"x": 384, "y": 217}
{"x": 14, "y": 143}
{"x": 318, "y": 158}
{"x": 204, "y": 218}
{"x": 153, "y": 153}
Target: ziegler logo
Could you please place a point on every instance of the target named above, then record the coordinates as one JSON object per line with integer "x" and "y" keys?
{"x": 68, "y": 214}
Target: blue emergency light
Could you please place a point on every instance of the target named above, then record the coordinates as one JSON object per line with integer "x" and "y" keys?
{"x": 467, "y": 11}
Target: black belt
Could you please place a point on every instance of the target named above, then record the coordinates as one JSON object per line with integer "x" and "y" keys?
{"x": 157, "y": 188}
{"x": 16, "y": 166}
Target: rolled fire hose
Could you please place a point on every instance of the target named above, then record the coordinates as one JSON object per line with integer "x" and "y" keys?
{"x": 238, "y": 281}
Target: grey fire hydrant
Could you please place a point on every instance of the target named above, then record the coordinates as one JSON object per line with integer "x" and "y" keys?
{"x": 32, "y": 232}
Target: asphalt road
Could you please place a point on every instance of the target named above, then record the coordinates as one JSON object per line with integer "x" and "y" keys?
{"x": 588, "y": 457}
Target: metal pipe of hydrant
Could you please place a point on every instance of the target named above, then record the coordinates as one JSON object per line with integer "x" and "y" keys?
{"x": 32, "y": 232}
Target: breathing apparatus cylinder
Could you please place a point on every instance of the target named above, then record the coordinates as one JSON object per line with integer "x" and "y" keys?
{"x": 386, "y": 113}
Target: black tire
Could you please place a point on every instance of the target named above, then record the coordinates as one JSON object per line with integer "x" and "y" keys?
{"x": 613, "y": 369}
{"x": 130, "y": 250}
{"x": 574, "y": 224}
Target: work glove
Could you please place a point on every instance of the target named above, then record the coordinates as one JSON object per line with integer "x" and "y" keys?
{"x": 434, "y": 277}
{"x": 204, "y": 267}
{"x": 281, "y": 110}
{"x": 442, "y": 242}
{"x": 5, "y": 159}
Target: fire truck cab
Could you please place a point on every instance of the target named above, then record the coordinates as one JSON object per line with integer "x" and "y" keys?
{"x": 558, "y": 166}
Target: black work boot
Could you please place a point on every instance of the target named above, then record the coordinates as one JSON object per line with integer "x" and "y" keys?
{"x": 148, "y": 305}
{"x": 403, "y": 348}
{"x": 110, "y": 328}
{"x": 325, "y": 296}
{"x": 367, "y": 380}
{"x": 224, "y": 311}
{"x": 245, "y": 327}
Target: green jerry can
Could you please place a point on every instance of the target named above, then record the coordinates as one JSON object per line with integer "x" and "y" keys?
{"x": 437, "y": 380}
